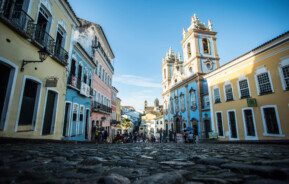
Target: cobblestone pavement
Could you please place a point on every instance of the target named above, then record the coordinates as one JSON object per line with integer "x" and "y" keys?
{"x": 143, "y": 163}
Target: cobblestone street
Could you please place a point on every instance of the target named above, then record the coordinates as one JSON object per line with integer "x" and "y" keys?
{"x": 143, "y": 163}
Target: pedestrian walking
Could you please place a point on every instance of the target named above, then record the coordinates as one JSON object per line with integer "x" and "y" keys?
{"x": 175, "y": 136}
{"x": 170, "y": 135}
{"x": 161, "y": 135}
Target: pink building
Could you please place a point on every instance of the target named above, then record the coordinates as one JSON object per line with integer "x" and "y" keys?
{"x": 94, "y": 39}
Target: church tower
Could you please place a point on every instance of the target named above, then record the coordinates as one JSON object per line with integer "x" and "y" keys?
{"x": 200, "y": 48}
{"x": 170, "y": 61}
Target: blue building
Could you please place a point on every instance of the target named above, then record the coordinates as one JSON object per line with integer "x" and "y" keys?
{"x": 185, "y": 91}
{"x": 78, "y": 95}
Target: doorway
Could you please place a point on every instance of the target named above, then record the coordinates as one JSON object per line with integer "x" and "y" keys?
{"x": 178, "y": 125}
{"x": 207, "y": 128}
{"x": 6, "y": 80}
{"x": 66, "y": 119}
{"x": 87, "y": 123}
{"x": 50, "y": 113}
{"x": 29, "y": 104}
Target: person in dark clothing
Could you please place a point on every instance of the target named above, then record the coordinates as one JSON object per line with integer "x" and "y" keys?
{"x": 170, "y": 135}
{"x": 175, "y": 136}
{"x": 105, "y": 135}
{"x": 161, "y": 135}
{"x": 93, "y": 130}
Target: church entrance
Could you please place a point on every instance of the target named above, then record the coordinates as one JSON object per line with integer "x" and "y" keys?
{"x": 178, "y": 125}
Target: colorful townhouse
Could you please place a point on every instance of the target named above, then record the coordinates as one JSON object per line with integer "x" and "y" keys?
{"x": 185, "y": 91}
{"x": 78, "y": 95}
{"x": 35, "y": 45}
{"x": 249, "y": 95}
{"x": 92, "y": 37}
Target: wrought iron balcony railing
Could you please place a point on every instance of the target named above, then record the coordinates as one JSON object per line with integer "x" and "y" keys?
{"x": 43, "y": 38}
{"x": 98, "y": 107}
{"x": 19, "y": 20}
{"x": 61, "y": 54}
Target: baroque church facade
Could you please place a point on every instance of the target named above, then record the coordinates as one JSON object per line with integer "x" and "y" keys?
{"x": 185, "y": 91}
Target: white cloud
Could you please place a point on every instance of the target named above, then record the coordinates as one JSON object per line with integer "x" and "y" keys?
{"x": 134, "y": 80}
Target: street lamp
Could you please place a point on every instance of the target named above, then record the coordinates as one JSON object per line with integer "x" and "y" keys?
{"x": 43, "y": 53}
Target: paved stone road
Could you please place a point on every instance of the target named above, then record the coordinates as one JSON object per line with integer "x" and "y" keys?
{"x": 143, "y": 163}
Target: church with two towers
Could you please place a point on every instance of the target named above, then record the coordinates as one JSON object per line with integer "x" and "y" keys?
{"x": 185, "y": 91}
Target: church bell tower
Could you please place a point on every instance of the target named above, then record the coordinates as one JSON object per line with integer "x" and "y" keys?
{"x": 199, "y": 47}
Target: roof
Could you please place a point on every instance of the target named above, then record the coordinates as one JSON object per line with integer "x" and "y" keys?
{"x": 71, "y": 9}
{"x": 87, "y": 23}
{"x": 85, "y": 53}
{"x": 251, "y": 51}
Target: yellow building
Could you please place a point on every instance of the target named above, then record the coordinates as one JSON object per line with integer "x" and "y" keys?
{"x": 33, "y": 93}
{"x": 249, "y": 96}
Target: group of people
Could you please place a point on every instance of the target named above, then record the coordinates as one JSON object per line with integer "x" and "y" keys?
{"x": 99, "y": 135}
{"x": 171, "y": 136}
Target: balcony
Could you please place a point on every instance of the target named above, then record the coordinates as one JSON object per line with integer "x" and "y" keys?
{"x": 22, "y": 23}
{"x": 44, "y": 39}
{"x": 98, "y": 107}
{"x": 18, "y": 20}
{"x": 61, "y": 54}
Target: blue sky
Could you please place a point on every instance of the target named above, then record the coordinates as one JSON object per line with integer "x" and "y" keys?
{"x": 141, "y": 31}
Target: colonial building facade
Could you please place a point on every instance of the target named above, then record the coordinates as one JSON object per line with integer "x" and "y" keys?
{"x": 78, "y": 95}
{"x": 94, "y": 41}
{"x": 185, "y": 94}
{"x": 249, "y": 95}
{"x": 35, "y": 43}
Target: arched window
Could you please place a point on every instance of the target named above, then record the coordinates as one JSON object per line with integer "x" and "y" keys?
{"x": 206, "y": 47}
{"x": 165, "y": 75}
{"x": 189, "y": 50}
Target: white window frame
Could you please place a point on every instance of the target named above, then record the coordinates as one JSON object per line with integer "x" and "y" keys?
{"x": 238, "y": 85}
{"x": 283, "y": 63}
{"x": 265, "y": 133}
{"x": 247, "y": 137}
{"x": 259, "y": 71}
{"x": 37, "y": 105}
{"x": 216, "y": 87}
{"x": 81, "y": 122}
{"x": 229, "y": 127}
{"x": 225, "y": 95}
{"x": 77, "y": 118}
{"x": 54, "y": 115}
{"x": 216, "y": 118}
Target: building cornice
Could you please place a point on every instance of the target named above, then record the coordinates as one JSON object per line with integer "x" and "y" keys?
{"x": 254, "y": 52}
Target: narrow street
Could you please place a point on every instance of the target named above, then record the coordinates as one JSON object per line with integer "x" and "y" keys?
{"x": 27, "y": 162}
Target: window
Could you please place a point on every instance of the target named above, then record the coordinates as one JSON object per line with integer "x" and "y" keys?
{"x": 205, "y": 42}
{"x": 193, "y": 99}
{"x": 100, "y": 71}
{"x": 244, "y": 89}
{"x": 81, "y": 113}
{"x": 264, "y": 84}
{"x": 232, "y": 124}
{"x": 285, "y": 74}
{"x": 249, "y": 122}
{"x": 172, "y": 105}
{"x": 220, "y": 123}
{"x": 217, "y": 95}
{"x": 206, "y": 102}
{"x": 96, "y": 67}
{"x": 177, "y": 103}
{"x": 270, "y": 119}
{"x": 182, "y": 100}
{"x": 165, "y": 76}
{"x": 75, "y": 109}
{"x": 228, "y": 92}
{"x": 189, "y": 50}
